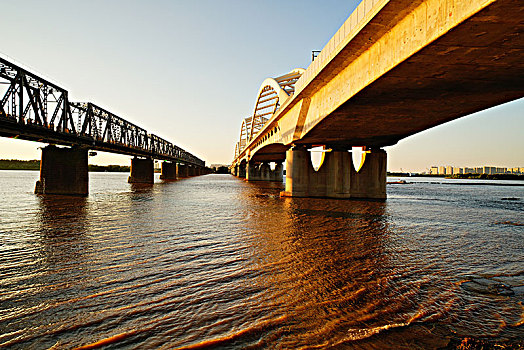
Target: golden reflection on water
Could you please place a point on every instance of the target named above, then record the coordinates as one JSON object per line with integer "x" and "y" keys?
{"x": 328, "y": 272}
{"x": 216, "y": 262}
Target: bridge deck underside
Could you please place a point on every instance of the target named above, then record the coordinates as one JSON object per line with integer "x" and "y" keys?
{"x": 477, "y": 65}
{"x": 271, "y": 153}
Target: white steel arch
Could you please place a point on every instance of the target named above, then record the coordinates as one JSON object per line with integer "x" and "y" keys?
{"x": 272, "y": 94}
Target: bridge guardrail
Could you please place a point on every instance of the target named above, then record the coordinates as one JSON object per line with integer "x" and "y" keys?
{"x": 358, "y": 18}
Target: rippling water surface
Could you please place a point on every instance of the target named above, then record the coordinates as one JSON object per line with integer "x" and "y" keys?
{"x": 216, "y": 262}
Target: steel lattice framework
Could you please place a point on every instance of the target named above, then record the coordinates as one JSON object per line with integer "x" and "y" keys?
{"x": 272, "y": 94}
{"x": 33, "y": 108}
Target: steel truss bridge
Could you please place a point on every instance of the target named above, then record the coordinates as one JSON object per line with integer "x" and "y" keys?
{"x": 35, "y": 109}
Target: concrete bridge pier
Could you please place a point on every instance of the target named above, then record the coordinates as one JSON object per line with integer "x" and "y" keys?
{"x": 242, "y": 169}
{"x": 142, "y": 171}
{"x": 332, "y": 180}
{"x": 252, "y": 171}
{"x": 263, "y": 172}
{"x": 277, "y": 174}
{"x": 181, "y": 170}
{"x": 63, "y": 171}
{"x": 370, "y": 181}
{"x": 168, "y": 171}
{"x": 336, "y": 177}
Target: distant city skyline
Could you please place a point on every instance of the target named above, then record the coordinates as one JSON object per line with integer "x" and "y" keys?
{"x": 485, "y": 169}
{"x": 190, "y": 71}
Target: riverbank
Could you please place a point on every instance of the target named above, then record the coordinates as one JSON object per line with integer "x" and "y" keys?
{"x": 486, "y": 176}
{"x": 462, "y": 176}
{"x": 15, "y": 164}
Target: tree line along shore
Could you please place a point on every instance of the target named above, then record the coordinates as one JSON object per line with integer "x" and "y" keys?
{"x": 14, "y": 164}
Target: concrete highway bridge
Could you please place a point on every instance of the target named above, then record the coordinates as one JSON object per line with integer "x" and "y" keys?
{"x": 394, "y": 68}
{"x": 33, "y": 108}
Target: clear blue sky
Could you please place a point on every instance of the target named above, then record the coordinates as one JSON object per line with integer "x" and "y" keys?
{"x": 189, "y": 71}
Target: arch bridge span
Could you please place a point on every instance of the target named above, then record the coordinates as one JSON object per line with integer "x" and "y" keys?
{"x": 272, "y": 94}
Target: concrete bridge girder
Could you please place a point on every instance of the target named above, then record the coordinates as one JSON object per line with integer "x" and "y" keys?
{"x": 391, "y": 71}
{"x": 437, "y": 51}
{"x": 398, "y": 67}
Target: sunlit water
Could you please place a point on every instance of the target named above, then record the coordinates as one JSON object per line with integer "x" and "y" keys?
{"x": 217, "y": 262}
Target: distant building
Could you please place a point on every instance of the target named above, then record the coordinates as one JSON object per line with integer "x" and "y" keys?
{"x": 488, "y": 170}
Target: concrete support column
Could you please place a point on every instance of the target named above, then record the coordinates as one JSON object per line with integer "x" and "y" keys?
{"x": 63, "y": 171}
{"x": 298, "y": 166}
{"x": 142, "y": 171}
{"x": 252, "y": 172}
{"x": 336, "y": 177}
{"x": 338, "y": 165}
{"x": 168, "y": 171}
{"x": 277, "y": 174}
{"x": 370, "y": 181}
{"x": 242, "y": 170}
{"x": 265, "y": 172}
{"x": 181, "y": 171}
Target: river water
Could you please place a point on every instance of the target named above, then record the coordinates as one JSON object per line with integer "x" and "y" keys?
{"x": 217, "y": 262}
